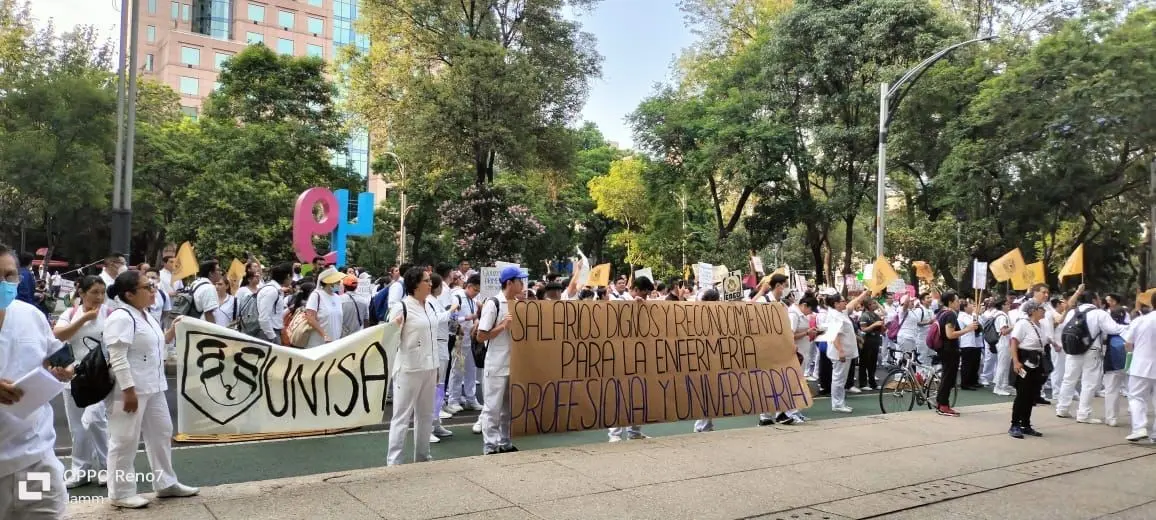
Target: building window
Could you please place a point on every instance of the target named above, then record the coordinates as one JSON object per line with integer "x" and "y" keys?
{"x": 256, "y": 13}
{"x": 314, "y": 51}
{"x": 191, "y": 112}
{"x": 315, "y": 3}
{"x": 219, "y": 60}
{"x": 151, "y": 34}
{"x": 190, "y": 86}
{"x": 175, "y": 10}
{"x": 148, "y": 66}
{"x": 285, "y": 19}
{"x": 252, "y": 38}
{"x": 316, "y": 26}
{"x": 285, "y": 46}
{"x": 186, "y": 12}
{"x": 191, "y": 56}
{"x": 152, "y": 6}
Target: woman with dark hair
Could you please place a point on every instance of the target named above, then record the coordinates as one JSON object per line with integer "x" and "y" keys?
{"x": 416, "y": 369}
{"x": 1027, "y": 348}
{"x": 82, "y": 326}
{"x": 137, "y": 405}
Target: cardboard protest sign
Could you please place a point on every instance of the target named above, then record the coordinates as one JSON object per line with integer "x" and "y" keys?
{"x": 645, "y": 273}
{"x": 704, "y": 275}
{"x": 979, "y": 274}
{"x": 581, "y": 365}
{"x": 720, "y": 273}
{"x": 757, "y": 264}
{"x": 230, "y": 383}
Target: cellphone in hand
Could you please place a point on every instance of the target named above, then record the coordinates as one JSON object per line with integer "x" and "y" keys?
{"x": 62, "y": 358}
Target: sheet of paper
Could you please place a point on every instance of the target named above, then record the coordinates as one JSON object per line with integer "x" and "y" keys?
{"x": 39, "y": 387}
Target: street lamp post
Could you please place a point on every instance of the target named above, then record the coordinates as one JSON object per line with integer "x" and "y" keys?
{"x": 402, "y": 212}
{"x": 889, "y": 98}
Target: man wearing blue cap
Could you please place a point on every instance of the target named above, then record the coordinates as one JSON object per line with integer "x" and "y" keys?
{"x": 493, "y": 328}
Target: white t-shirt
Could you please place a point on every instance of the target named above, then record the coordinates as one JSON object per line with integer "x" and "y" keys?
{"x": 90, "y": 335}
{"x": 910, "y": 320}
{"x": 969, "y": 340}
{"x": 136, "y": 353}
{"x": 25, "y": 341}
{"x": 846, "y": 335}
{"x": 498, "y": 353}
{"x": 800, "y": 323}
{"x": 1142, "y": 335}
{"x": 205, "y": 297}
{"x": 162, "y": 303}
{"x": 224, "y": 312}
{"x": 1029, "y": 335}
{"x": 329, "y": 315}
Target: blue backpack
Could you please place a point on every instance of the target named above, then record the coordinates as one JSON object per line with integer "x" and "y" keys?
{"x": 378, "y": 306}
{"x": 1115, "y": 356}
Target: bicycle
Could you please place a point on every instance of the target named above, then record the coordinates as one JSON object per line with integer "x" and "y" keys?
{"x": 911, "y": 376}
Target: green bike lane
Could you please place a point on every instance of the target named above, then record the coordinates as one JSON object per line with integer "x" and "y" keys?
{"x": 211, "y": 465}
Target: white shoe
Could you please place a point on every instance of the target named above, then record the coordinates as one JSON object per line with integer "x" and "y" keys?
{"x": 1090, "y": 421}
{"x": 640, "y": 435}
{"x": 1112, "y": 423}
{"x": 133, "y": 502}
{"x": 441, "y": 431}
{"x": 1000, "y": 391}
{"x": 75, "y": 481}
{"x": 1063, "y": 415}
{"x": 102, "y": 478}
{"x": 842, "y": 409}
{"x": 1137, "y": 435}
{"x": 615, "y": 438}
{"x": 477, "y": 428}
{"x": 854, "y": 390}
{"x": 445, "y": 415}
{"x": 812, "y": 379}
{"x": 433, "y": 439}
{"x": 452, "y": 408}
{"x": 472, "y": 405}
{"x": 178, "y": 490}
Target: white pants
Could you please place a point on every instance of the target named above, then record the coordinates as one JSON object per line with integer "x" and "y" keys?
{"x": 151, "y": 419}
{"x": 439, "y": 398}
{"x": 1114, "y": 383}
{"x": 413, "y": 399}
{"x": 496, "y": 412}
{"x": 89, "y": 430}
{"x": 808, "y": 353}
{"x": 1141, "y": 396}
{"x": 1057, "y": 377}
{"x": 53, "y": 497}
{"x": 1003, "y": 367}
{"x": 813, "y": 361}
{"x": 1085, "y": 370}
{"x": 839, "y": 372}
{"x": 463, "y": 374}
{"x": 990, "y": 360}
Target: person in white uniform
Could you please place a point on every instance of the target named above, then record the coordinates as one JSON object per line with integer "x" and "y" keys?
{"x": 1086, "y": 369}
{"x": 137, "y": 404}
{"x": 440, "y": 297}
{"x": 1141, "y": 342}
{"x": 82, "y": 326}
{"x": 639, "y": 292}
{"x": 1001, "y": 378}
{"x": 26, "y": 444}
{"x": 463, "y": 372}
{"x": 415, "y": 372}
{"x": 323, "y": 309}
{"x": 842, "y": 346}
{"x": 354, "y": 306}
{"x": 493, "y": 327}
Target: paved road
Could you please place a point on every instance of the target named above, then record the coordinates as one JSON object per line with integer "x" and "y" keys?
{"x": 208, "y": 465}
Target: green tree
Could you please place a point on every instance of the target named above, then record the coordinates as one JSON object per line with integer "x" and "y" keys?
{"x": 269, "y": 133}
{"x": 472, "y": 86}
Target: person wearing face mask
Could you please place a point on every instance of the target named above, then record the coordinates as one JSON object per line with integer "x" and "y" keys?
{"x": 114, "y": 264}
{"x": 639, "y": 292}
{"x": 323, "y": 309}
{"x": 26, "y": 443}
{"x": 772, "y": 291}
{"x": 843, "y": 345}
{"x": 163, "y": 303}
{"x": 137, "y": 405}
{"x": 82, "y": 326}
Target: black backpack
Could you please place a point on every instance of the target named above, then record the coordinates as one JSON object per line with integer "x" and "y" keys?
{"x": 185, "y": 303}
{"x": 481, "y": 347}
{"x": 990, "y": 332}
{"x": 1077, "y": 337}
{"x": 93, "y": 380}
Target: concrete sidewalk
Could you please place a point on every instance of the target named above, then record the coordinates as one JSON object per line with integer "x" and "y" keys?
{"x": 912, "y": 465}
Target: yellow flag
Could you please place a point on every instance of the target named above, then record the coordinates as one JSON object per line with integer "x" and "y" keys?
{"x": 1007, "y": 266}
{"x": 923, "y": 271}
{"x": 781, "y": 270}
{"x": 1145, "y": 298}
{"x": 686, "y": 273}
{"x": 882, "y": 276}
{"x": 1075, "y": 263}
{"x": 186, "y": 262}
{"x": 236, "y": 273}
{"x": 1029, "y": 276}
{"x": 599, "y": 276}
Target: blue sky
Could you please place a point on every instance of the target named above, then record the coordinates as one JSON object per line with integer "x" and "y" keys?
{"x": 638, "y": 39}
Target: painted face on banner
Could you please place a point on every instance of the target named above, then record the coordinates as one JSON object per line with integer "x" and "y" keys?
{"x": 235, "y": 390}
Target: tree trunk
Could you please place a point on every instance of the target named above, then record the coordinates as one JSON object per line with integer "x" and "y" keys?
{"x": 848, "y": 242}
{"x": 815, "y": 243}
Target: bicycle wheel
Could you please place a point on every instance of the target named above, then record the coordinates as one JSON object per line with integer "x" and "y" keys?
{"x": 897, "y": 393}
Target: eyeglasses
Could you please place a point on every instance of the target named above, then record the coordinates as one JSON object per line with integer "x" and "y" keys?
{"x": 148, "y": 287}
